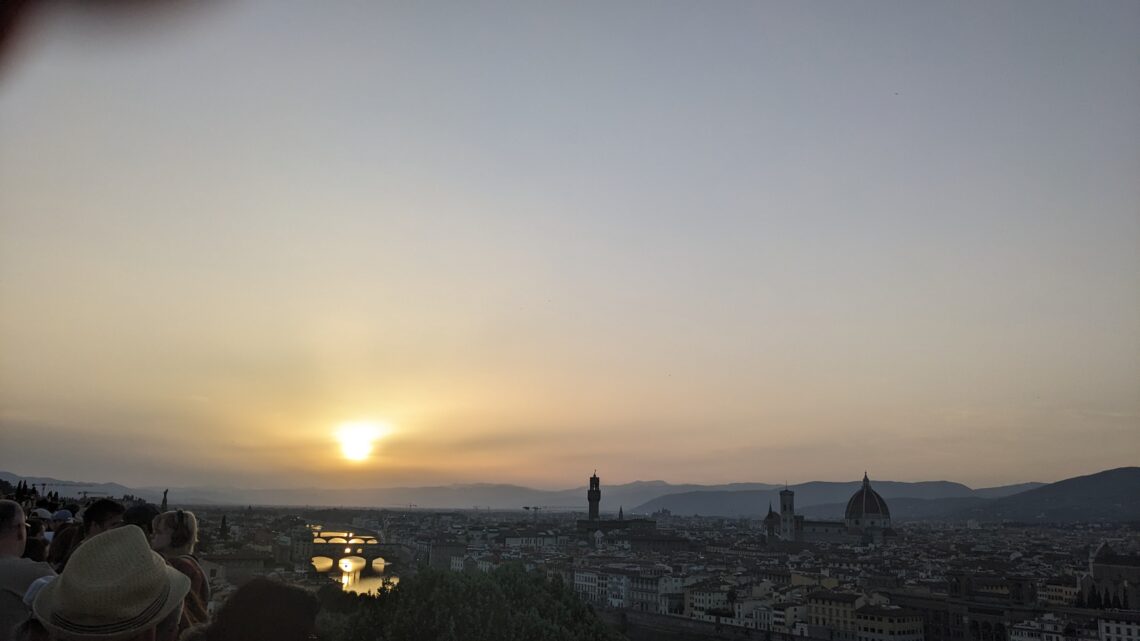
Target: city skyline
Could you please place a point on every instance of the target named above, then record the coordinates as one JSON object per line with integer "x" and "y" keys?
{"x": 750, "y": 242}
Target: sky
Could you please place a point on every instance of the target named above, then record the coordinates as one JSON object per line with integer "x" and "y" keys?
{"x": 698, "y": 242}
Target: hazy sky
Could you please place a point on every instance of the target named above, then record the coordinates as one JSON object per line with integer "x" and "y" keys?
{"x": 696, "y": 241}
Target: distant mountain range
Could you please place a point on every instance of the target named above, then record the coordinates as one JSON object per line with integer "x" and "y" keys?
{"x": 903, "y": 509}
{"x": 66, "y": 488}
{"x": 830, "y": 498}
{"x": 465, "y": 496}
{"x": 1109, "y": 495}
{"x": 1112, "y": 495}
{"x": 483, "y": 495}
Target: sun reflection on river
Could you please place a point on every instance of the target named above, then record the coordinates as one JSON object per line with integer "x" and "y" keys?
{"x": 344, "y": 556}
{"x": 349, "y": 571}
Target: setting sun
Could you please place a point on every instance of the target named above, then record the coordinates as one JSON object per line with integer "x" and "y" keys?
{"x": 356, "y": 439}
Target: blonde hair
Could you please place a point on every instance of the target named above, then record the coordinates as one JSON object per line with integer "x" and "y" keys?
{"x": 183, "y": 528}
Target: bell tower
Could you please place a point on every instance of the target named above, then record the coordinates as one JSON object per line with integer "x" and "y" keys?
{"x": 787, "y": 514}
{"x": 787, "y": 501}
{"x": 594, "y": 495}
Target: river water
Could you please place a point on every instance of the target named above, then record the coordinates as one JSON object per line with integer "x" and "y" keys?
{"x": 354, "y": 574}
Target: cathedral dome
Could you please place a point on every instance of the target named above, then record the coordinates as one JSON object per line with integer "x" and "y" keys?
{"x": 867, "y": 504}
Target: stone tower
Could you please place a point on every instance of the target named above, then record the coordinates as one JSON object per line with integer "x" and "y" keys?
{"x": 594, "y": 495}
{"x": 787, "y": 514}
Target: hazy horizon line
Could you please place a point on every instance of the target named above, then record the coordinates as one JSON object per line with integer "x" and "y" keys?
{"x": 156, "y": 487}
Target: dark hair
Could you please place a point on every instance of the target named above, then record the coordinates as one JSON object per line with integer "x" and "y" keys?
{"x": 101, "y": 510}
{"x": 181, "y": 534}
{"x": 265, "y": 609}
{"x": 142, "y": 516}
{"x": 9, "y": 511}
{"x": 35, "y": 527}
{"x": 35, "y": 549}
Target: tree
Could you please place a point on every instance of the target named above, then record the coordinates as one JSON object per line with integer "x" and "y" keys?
{"x": 508, "y": 603}
{"x": 223, "y": 530}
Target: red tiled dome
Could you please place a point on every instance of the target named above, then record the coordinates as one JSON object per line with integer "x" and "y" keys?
{"x": 867, "y": 503}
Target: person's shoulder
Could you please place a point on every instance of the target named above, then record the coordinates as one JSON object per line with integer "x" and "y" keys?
{"x": 39, "y": 568}
{"x": 185, "y": 563}
{"x": 26, "y": 569}
{"x": 66, "y": 534}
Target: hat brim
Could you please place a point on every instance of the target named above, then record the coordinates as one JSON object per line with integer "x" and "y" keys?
{"x": 46, "y": 606}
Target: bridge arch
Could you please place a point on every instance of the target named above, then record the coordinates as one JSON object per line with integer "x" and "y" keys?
{"x": 352, "y": 564}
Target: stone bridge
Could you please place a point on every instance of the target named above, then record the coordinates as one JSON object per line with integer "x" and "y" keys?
{"x": 338, "y": 546}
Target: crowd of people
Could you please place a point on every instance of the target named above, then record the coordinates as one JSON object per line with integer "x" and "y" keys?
{"x": 105, "y": 572}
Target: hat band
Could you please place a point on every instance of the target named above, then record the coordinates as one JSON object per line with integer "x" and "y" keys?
{"x": 139, "y": 619}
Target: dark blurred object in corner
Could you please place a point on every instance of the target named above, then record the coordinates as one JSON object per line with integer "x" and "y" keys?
{"x": 16, "y": 16}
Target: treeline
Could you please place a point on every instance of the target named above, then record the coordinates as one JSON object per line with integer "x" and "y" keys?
{"x": 507, "y": 604}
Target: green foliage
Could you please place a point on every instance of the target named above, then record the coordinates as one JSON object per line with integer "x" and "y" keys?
{"x": 508, "y": 604}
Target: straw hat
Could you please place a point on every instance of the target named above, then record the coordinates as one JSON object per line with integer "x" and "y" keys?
{"x": 113, "y": 587}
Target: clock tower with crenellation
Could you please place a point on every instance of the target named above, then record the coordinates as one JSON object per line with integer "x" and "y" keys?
{"x": 594, "y": 495}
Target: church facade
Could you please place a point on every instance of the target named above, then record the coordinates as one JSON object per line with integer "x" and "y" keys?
{"x": 867, "y": 518}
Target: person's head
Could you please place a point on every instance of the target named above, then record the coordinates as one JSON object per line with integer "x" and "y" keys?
{"x": 60, "y": 519}
{"x": 102, "y": 515}
{"x": 266, "y": 609}
{"x": 175, "y": 532}
{"x": 114, "y": 588}
{"x": 13, "y": 529}
{"x": 36, "y": 546}
{"x": 141, "y": 516}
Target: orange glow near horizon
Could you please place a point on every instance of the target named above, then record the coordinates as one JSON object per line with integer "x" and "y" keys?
{"x": 357, "y": 439}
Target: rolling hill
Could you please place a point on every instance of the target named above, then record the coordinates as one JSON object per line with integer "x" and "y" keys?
{"x": 755, "y": 502}
{"x": 1108, "y": 495}
{"x": 1112, "y": 495}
